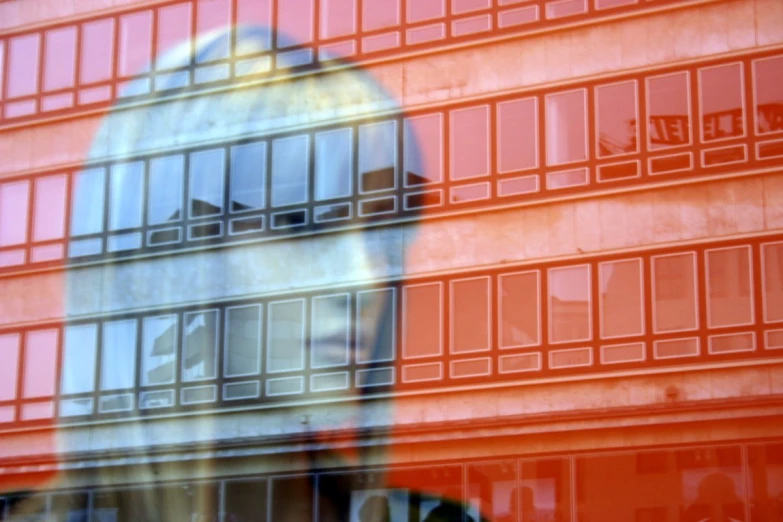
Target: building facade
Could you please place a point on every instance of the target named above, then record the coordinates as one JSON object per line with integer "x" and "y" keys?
{"x": 296, "y": 259}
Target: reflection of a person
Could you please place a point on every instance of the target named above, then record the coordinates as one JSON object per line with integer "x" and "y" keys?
{"x": 716, "y": 501}
{"x": 448, "y": 510}
{"x": 523, "y": 499}
{"x": 375, "y": 509}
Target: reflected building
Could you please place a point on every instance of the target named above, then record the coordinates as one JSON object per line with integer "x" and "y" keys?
{"x": 391, "y": 260}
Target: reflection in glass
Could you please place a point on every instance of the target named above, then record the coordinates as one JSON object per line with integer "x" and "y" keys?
{"x": 80, "y": 345}
{"x": 214, "y": 15}
{"x": 768, "y": 77}
{"x": 9, "y": 364}
{"x": 674, "y": 292}
{"x": 470, "y": 301}
{"x": 290, "y": 162}
{"x": 294, "y": 22}
{"x": 766, "y": 482}
{"x": 330, "y": 331}
{"x": 721, "y": 94}
{"x": 49, "y": 214}
{"x": 256, "y": 13}
{"x": 248, "y": 177}
{"x": 377, "y": 14}
{"x": 159, "y": 350}
{"x": 772, "y": 261}
{"x": 243, "y": 340}
{"x": 566, "y": 127}
{"x": 616, "y": 113}
{"x": 292, "y": 498}
{"x": 372, "y": 344}
{"x": 422, "y": 320}
{"x": 118, "y": 355}
{"x": 669, "y": 120}
{"x": 337, "y": 17}
{"x": 517, "y": 134}
{"x": 97, "y": 51}
{"x": 126, "y": 193}
{"x": 423, "y": 149}
{"x": 519, "y": 309}
{"x": 40, "y": 363}
{"x": 72, "y": 507}
{"x": 245, "y": 500}
{"x": 173, "y": 29}
{"x": 544, "y": 491}
{"x": 730, "y": 300}
{"x": 621, "y": 298}
{"x": 569, "y": 304}
{"x": 135, "y": 43}
{"x": 14, "y": 201}
{"x": 469, "y": 142}
{"x": 22, "y": 75}
{"x": 199, "y": 350}
{"x": 205, "y": 186}
{"x": 333, "y": 164}
{"x": 377, "y": 156}
{"x": 60, "y": 58}
{"x": 87, "y": 202}
{"x": 164, "y": 199}
{"x": 286, "y": 336}
{"x": 492, "y": 491}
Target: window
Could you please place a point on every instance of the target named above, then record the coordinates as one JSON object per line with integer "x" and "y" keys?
{"x": 377, "y": 14}
{"x": 245, "y": 499}
{"x": 772, "y": 284}
{"x": 469, "y": 143}
{"x": 126, "y": 193}
{"x": 118, "y": 355}
{"x": 470, "y": 315}
{"x": 517, "y": 140}
{"x": 87, "y": 202}
{"x": 464, "y": 6}
{"x": 377, "y": 156}
{"x": 333, "y": 164}
{"x": 668, "y": 111}
{"x": 23, "y": 65}
{"x": 40, "y": 363}
{"x": 173, "y": 32}
{"x": 768, "y": 77}
{"x": 520, "y": 309}
{"x": 164, "y": 199}
{"x": 674, "y": 292}
{"x": 330, "y": 331}
{"x": 423, "y": 147}
{"x": 621, "y": 298}
{"x": 206, "y": 182}
{"x": 49, "y": 222}
{"x": 729, "y": 282}
{"x": 9, "y": 366}
{"x": 243, "y": 340}
{"x": 422, "y": 322}
{"x": 285, "y": 345}
{"x": 616, "y": 115}
{"x": 214, "y": 17}
{"x": 294, "y": 22}
{"x": 199, "y": 350}
{"x": 159, "y": 350}
{"x": 79, "y": 358}
{"x": 60, "y": 58}
{"x": 569, "y": 304}
{"x": 2, "y": 66}
{"x": 544, "y": 490}
{"x": 338, "y": 18}
{"x": 566, "y": 127}
{"x": 248, "y": 177}
{"x": 290, "y": 162}
{"x": 376, "y": 342}
{"x": 135, "y": 43}
{"x": 14, "y": 202}
{"x": 254, "y": 13}
{"x": 425, "y": 10}
{"x": 721, "y": 102}
{"x": 97, "y": 51}
{"x": 491, "y": 490}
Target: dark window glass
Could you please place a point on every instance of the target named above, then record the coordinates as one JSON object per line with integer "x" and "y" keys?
{"x": 72, "y": 507}
{"x": 292, "y": 498}
{"x": 245, "y": 500}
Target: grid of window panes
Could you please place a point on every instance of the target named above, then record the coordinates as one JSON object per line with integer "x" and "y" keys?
{"x": 95, "y": 61}
{"x": 383, "y": 170}
{"x": 726, "y": 482}
{"x": 723, "y": 301}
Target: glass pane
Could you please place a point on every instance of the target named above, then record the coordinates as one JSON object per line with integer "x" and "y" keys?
{"x": 377, "y": 14}
{"x": 49, "y": 215}
{"x": 470, "y": 315}
{"x": 2, "y": 68}
{"x": 469, "y": 142}
{"x": 292, "y": 498}
{"x": 173, "y": 31}
{"x": 569, "y": 304}
{"x": 80, "y": 345}
{"x": 248, "y": 176}
{"x": 330, "y": 331}
{"x": 520, "y": 309}
{"x": 422, "y": 323}
{"x": 722, "y": 110}
{"x": 135, "y": 43}
{"x": 199, "y": 357}
{"x": 730, "y": 299}
{"x": 243, "y": 338}
{"x": 492, "y": 491}
{"x": 691, "y": 485}
{"x": 669, "y": 119}
{"x": 214, "y": 18}
{"x": 23, "y": 65}
{"x": 87, "y": 202}
{"x": 206, "y": 182}
{"x": 544, "y": 491}
{"x": 766, "y": 488}
{"x": 9, "y": 365}
{"x": 376, "y": 324}
{"x": 118, "y": 355}
{"x": 333, "y": 164}
{"x": 97, "y": 51}
{"x": 772, "y": 260}
{"x": 159, "y": 350}
{"x": 286, "y": 336}
{"x": 40, "y": 363}
{"x": 425, "y": 10}
{"x": 616, "y": 112}
{"x": 338, "y": 18}
{"x": 621, "y": 298}
{"x": 435, "y": 493}
{"x": 290, "y": 161}
{"x": 423, "y": 148}
{"x": 768, "y": 77}
{"x": 60, "y": 58}
{"x": 72, "y": 507}
{"x": 254, "y": 13}
{"x": 674, "y": 292}
{"x": 294, "y": 22}
{"x": 566, "y": 127}
{"x": 14, "y": 202}
{"x": 126, "y": 193}
{"x": 245, "y": 500}
{"x": 517, "y": 139}
{"x": 378, "y": 156}
{"x": 164, "y": 197}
